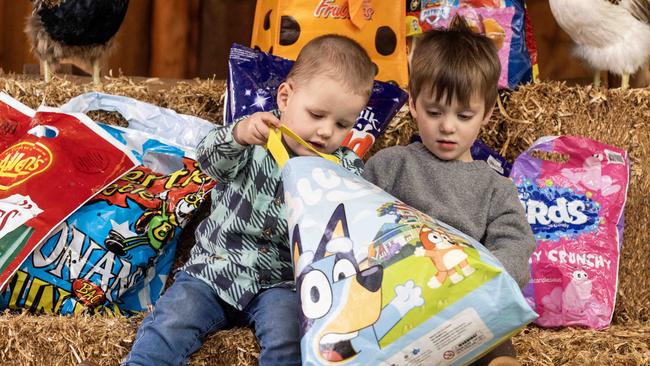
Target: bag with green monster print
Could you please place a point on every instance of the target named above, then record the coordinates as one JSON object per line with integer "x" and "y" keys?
{"x": 113, "y": 255}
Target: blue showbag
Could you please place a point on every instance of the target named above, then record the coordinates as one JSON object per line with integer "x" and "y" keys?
{"x": 253, "y": 81}
{"x": 381, "y": 283}
{"x": 480, "y": 151}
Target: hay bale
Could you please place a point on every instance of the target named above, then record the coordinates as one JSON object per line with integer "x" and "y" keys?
{"x": 613, "y": 116}
{"x": 54, "y": 340}
{"x": 200, "y": 97}
{"x": 618, "y": 345}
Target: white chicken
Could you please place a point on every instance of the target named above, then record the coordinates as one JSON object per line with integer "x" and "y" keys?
{"x": 610, "y": 35}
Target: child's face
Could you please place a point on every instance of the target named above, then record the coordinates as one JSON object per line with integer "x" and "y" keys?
{"x": 449, "y": 131}
{"x": 321, "y": 111}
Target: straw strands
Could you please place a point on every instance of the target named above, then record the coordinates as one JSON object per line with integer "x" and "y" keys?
{"x": 615, "y": 117}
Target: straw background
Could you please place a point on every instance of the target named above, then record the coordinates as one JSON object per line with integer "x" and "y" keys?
{"x": 614, "y": 117}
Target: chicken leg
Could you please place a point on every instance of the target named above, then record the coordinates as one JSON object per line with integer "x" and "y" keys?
{"x": 625, "y": 81}
{"x": 46, "y": 70}
{"x": 96, "y": 69}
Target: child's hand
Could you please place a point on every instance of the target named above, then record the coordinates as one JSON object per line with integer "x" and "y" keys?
{"x": 254, "y": 130}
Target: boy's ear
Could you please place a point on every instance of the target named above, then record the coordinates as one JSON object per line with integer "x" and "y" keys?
{"x": 284, "y": 92}
{"x": 414, "y": 113}
{"x": 486, "y": 119}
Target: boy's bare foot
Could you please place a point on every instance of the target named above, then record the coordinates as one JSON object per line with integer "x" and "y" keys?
{"x": 504, "y": 361}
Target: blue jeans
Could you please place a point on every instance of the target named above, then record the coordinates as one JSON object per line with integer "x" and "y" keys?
{"x": 189, "y": 311}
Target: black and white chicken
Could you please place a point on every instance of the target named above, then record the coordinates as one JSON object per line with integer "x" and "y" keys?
{"x": 74, "y": 29}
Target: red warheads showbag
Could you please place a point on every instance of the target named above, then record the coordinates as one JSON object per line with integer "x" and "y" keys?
{"x": 51, "y": 164}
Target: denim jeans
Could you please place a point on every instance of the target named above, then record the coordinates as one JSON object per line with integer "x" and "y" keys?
{"x": 189, "y": 311}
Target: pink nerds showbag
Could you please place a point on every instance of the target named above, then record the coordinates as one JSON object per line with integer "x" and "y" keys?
{"x": 575, "y": 208}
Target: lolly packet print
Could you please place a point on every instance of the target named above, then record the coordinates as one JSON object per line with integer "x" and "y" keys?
{"x": 575, "y": 208}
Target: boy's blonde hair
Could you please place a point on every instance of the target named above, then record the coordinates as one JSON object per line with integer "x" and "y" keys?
{"x": 455, "y": 63}
{"x": 338, "y": 57}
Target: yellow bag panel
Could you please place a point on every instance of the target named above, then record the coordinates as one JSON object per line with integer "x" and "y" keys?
{"x": 283, "y": 27}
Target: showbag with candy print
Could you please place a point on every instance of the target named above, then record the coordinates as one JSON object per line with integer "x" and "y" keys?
{"x": 573, "y": 190}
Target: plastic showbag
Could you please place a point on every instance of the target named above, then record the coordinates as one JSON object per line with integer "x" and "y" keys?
{"x": 574, "y": 200}
{"x": 255, "y": 76}
{"x": 113, "y": 255}
{"x": 284, "y": 27}
{"x": 382, "y": 283}
{"x": 15, "y": 120}
{"x": 503, "y": 21}
{"x": 165, "y": 124}
{"x": 480, "y": 151}
{"x": 46, "y": 173}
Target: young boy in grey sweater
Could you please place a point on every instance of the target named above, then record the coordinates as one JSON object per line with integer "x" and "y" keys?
{"x": 453, "y": 90}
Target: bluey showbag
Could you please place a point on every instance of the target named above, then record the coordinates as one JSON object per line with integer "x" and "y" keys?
{"x": 574, "y": 204}
{"x": 381, "y": 283}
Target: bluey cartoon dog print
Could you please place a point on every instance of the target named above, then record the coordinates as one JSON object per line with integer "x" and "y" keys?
{"x": 341, "y": 301}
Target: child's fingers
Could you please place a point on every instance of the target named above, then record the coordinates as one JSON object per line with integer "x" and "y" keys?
{"x": 271, "y": 120}
{"x": 261, "y": 133}
{"x": 255, "y": 129}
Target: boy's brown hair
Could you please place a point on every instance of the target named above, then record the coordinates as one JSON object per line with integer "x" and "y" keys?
{"x": 455, "y": 63}
{"x": 338, "y": 57}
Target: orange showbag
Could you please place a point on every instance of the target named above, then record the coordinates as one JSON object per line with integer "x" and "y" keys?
{"x": 283, "y": 27}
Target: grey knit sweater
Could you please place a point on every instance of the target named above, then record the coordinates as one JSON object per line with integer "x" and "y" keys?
{"x": 468, "y": 196}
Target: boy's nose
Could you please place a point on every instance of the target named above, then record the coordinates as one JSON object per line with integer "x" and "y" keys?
{"x": 324, "y": 131}
{"x": 447, "y": 126}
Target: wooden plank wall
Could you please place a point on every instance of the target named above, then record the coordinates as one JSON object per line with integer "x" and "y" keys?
{"x": 132, "y": 53}
{"x": 13, "y": 44}
{"x": 190, "y": 38}
{"x": 163, "y": 38}
{"x": 553, "y": 46}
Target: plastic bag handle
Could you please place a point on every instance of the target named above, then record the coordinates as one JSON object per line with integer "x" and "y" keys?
{"x": 279, "y": 151}
{"x": 546, "y": 144}
{"x": 165, "y": 124}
